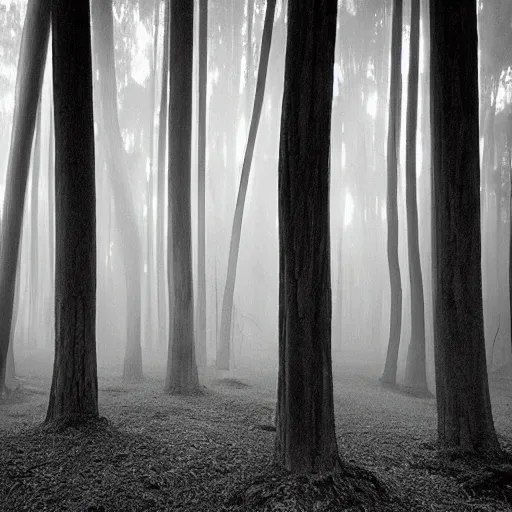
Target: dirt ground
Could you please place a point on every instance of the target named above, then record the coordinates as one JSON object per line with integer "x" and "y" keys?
{"x": 214, "y": 451}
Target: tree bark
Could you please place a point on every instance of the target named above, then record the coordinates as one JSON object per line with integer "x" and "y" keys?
{"x": 119, "y": 176}
{"x": 393, "y": 152}
{"x": 224, "y": 349}
{"x": 415, "y": 381}
{"x": 160, "y": 218}
{"x": 34, "y": 44}
{"x": 463, "y": 403}
{"x": 74, "y": 391}
{"x": 305, "y": 431}
{"x": 181, "y": 375}
{"x": 201, "y": 183}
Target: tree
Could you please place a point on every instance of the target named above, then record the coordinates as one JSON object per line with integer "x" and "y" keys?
{"x": 415, "y": 370}
{"x": 181, "y": 365}
{"x": 223, "y": 355}
{"x": 118, "y": 173}
{"x": 305, "y": 432}
{"x": 74, "y": 391}
{"x": 160, "y": 217}
{"x": 395, "y": 99}
{"x": 34, "y": 44}
{"x": 201, "y": 183}
{"x": 463, "y": 403}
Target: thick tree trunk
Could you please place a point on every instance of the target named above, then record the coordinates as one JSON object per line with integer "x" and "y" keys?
{"x": 160, "y": 217}
{"x": 33, "y": 313}
{"x": 305, "y": 431}
{"x": 224, "y": 349}
{"x": 201, "y": 184}
{"x": 181, "y": 375}
{"x": 415, "y": 371}
{"x": 463, "y": 403}
{"x": 34, "y": 44}
{"x": 74, "y": 391}
{"x": 393, "y": 151}
{"x": 118, "y": 173}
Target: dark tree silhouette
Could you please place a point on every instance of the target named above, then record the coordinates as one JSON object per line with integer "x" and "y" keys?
{"x": 181, "y": 366}
{"x": 463, "y": 403}
{"x": 74, "y": 391}
{"x": 415, "y": 370}
{"x": 395, "y": 99}
{"x": 305, "y": 433}
{"x": 34, "y": 45}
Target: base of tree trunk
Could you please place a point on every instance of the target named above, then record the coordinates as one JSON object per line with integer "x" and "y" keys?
{"x": 349, "y": 487}
{"x": 417, "y": 392}
{"x": 183, "y": 390}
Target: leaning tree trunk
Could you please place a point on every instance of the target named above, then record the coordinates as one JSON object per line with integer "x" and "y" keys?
{"x": 393, "y": 151}
{"x": 181, "y": 375}
{"x": 463, "y": 403}
{"x": 415, "y": 371}
{"x": 34, "y": 44}
{"x": 33, "y": 316}
{"x": 224, "y": 348}
{"x": 74, "y": 391}
{"x": 160, "y": 217}
{"x": 118, "y": 173}
{"x": 305, "y": 432}
{"x": 201, "y": 184}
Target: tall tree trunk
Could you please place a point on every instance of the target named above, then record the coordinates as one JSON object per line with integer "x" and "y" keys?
{"x": 509, "y": 144}
{"x": 224, "y": 350}
{"x": 34, "y": 44}
{"x": 201, "y": 184}
{"x": 150, "y": 186}
{"x": 415, "y": 371}
{"x": 33, "y": 313}
{"x": 463, "y": 403}
{"x": 160, "y": 217}
{"x": 51, "y": 216}
{"x": 118, "y": 173}
{"x": 74, "y": 391}
{"x": 393, "y": 152}
{"x": 181, "y": 375}
{"x": 305, "y": 431}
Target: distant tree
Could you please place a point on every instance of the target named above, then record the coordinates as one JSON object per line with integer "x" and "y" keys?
{"x": 34, "y": 290}
{"x": 393, "y": 151}
{"x": 181, "y": 365}
{"x": 463, "y": 403}
{"x": 415, "y": 370}
{"x": 305, "y": 431}
{"x": 224, "y": 349}
{"x": 201, "y": 183}
{"x": 161, "y": 187}
{"x": 118, "y": 173}
{"x": 74, "y": 391}
{"x": 34, "y": 45}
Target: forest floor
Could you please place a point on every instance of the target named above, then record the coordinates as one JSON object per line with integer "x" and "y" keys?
{"x": 213, "y": 452}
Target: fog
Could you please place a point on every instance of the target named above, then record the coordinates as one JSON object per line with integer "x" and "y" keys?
{"x": 360, "y": 278}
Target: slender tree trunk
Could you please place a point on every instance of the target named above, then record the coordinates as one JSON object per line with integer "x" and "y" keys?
{"x": 74, "y": 391}
{"x": 463, "y": 402}
{"x": 181, "y": 375}
{"x": 150, "y": 187}
{"x": 201, "y": 184}
{"x": 223, "y": 354}
{"x": 393, "y": 151}
{"x": 118, "y": 173}
{"x": 160, "y": 217}
{"x": 305, "y": 430}
{"x": 33, "y": 316}
{"x": 509, "y": 144}
{"x": 34, "y": 44}
{"x": 416, "y": 370}
{"x": 51, "y": 216}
